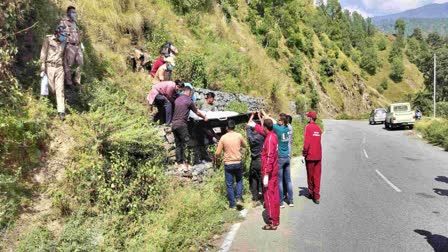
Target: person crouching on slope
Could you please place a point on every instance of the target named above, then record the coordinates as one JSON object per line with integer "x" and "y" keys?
{"x": 312, "y": 152}
{"x": 269, "y": 172}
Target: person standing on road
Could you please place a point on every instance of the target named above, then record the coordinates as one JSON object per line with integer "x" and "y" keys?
{"x": 232, "y": 143}
{"x": 51, "y": 59}
{"x": 284, "y": 160}
{"x": 269, "y": 172}
{"x": 182, "y": 106}
{"x": 73, "y": 51}
{"x": 255, "y": 181}
{"x": 312, "y": 152}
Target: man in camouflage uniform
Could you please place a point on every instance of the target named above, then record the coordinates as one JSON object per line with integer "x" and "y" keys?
{"x": 51, "y": 58}
{"x": 73, "y": 58}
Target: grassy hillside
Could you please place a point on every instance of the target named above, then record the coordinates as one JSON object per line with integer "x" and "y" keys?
{"x": 96, "y": 181}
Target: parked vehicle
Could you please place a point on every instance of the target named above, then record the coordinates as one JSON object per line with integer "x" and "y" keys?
{"x": 377, "y": 116}
{"x": 400, "y": 115}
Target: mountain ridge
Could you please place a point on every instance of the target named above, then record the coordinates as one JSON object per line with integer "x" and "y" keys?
{"x": 430, "y": 11}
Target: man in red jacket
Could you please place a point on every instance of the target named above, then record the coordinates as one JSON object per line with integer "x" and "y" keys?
{"x": 312, "y": 152}
{"x": 269, "y": 172}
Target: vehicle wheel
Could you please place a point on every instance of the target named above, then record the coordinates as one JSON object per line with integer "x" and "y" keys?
{"x": 411, "y": 127}
{"x": 370, "y": 122}
{"x": 386, "y": 125}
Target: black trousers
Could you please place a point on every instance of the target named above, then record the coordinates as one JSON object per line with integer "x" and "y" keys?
{"x": 255, "y": 179}
{"x": 181, "y": 138}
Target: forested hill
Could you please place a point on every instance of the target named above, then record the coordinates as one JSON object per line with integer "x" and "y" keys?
{"x": 429, "y": 18}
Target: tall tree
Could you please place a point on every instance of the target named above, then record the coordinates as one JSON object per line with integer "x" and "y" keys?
{"x": 400, "y": 27}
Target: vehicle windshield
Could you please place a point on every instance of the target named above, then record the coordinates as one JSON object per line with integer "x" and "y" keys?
{"x": 401, "y": 108}
{"x": 380, "y": 111}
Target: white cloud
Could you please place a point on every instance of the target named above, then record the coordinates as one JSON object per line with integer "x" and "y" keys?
{"x": 359, "y": 10}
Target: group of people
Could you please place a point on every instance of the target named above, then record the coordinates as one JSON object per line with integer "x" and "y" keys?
{"x": 174, "y": 101}
{"x": 270, "y": 143}
{"x": 61, "y": 58}
{"x": 162, "y": 68}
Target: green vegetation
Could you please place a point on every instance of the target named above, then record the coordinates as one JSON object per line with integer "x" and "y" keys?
{"x": 435, "y": 131}
{"x": 344, "y": 116}
{"x": 428, "y": 25}
{"x": 422, "y": 51}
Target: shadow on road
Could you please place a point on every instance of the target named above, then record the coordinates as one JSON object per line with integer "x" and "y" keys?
{"x": 442, "y": 179}
{"x": 441, "y": 192}
{"x": 265, "y": 217}
{"x": 438, "y": 242}
{"x": 304, "y": 192}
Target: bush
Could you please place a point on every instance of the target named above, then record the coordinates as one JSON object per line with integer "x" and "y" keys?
{"x": 344, "y": 66}
{"x": 190, "y": 67}
{"x": 382, "y": 44}
{"x": 442, "y": 109}
{"x": 397, "y": 71}
{"x": 186, "y": 6}
{"x": 384, "y": 84}
{"x": 436, "y": 133}
{"x": 295, "y": 66}
{"x": 118, "y": 161}
{"x": 237, "y": 106}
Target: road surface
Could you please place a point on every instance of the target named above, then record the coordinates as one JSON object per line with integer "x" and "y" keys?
{"x": 380, "y": 191}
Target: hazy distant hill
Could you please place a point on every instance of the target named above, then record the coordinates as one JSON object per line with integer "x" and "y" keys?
{"x": 429, "y": 18}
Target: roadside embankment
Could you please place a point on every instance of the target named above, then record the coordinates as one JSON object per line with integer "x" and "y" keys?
{"x": 434, "y": 130}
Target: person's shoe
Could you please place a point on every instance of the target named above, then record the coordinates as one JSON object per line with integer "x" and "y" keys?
{"x": 61, "y": 116}
{"x": 239, "y": 204}
{"x": 255, "y": 203}
{"x": 310, "y": 196}
{"x": 316, "y": 201}
{"x": 282, "y": 206}
{"x": 291, "y": 204}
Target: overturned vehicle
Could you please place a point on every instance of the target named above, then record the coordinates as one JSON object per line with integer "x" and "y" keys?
{"x": 205, "y": 134}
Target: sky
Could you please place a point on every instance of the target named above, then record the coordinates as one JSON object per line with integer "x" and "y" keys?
{"x": 370, "y": 8}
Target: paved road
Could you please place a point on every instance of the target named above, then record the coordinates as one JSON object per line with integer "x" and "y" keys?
{"x": 381, "y": 191}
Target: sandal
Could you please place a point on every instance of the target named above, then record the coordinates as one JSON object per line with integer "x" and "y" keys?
{"x": 269, "y": 227}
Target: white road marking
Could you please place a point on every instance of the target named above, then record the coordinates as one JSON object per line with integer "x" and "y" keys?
{"x": 364, "y": 140}
{"x": 387, "y": 181}
{"x": 227, "y": 244}
{"x": 365, "y": 153}
{"x": 229, "y": 238}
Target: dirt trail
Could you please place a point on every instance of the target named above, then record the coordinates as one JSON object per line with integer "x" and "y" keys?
{"x": 45, "y": 179}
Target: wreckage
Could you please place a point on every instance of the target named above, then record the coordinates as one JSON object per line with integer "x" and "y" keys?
{"x": 217, "y": 123}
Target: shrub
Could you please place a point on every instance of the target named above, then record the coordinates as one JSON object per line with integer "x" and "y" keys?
{"x": 382, "y": 44}
{"x": 237, "y": 106}
{"x": 186, "y": 6}
{"x": 384, "y": 84}
{"x": 190, "y": 67}
{"x": 442, "y": 109}
{"x": 344, "y": 66}
{"x": 397, "y": 71}
{"x": 295, "y": 66}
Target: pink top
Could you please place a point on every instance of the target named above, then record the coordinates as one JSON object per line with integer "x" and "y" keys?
{"x": 165, "y": 88}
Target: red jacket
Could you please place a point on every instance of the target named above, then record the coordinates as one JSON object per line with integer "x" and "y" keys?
{"x": 269, "y": 153}
{"x": 159, "y": 62}
{"x": 312, "y": 147}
